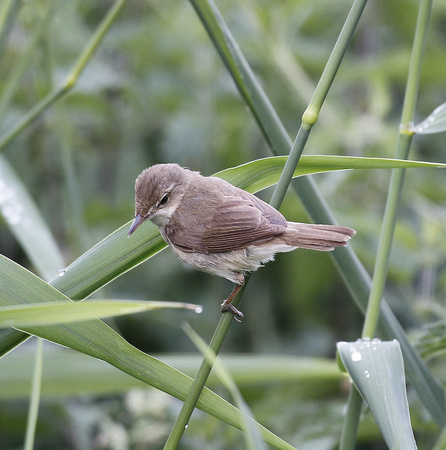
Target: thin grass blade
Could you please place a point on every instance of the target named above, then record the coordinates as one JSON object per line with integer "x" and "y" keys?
{"x": 252, "y": 436}
{"x": 49, "y": 313}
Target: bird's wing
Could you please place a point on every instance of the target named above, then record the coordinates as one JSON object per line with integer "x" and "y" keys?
{"x": 235, "y": 220}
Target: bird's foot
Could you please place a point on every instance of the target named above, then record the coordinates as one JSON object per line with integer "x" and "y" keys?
{"x": 227, "y": 307}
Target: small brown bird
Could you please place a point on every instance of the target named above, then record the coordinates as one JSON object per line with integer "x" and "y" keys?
{"x": 218, "y": 228}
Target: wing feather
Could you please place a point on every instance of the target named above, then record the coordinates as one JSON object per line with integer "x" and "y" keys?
{"x": 229, "y": 219}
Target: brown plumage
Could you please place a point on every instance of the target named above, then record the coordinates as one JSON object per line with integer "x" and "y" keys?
{"x": 219, "y": 228}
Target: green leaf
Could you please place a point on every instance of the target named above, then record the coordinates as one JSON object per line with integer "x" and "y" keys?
{"x": 49, "y": 313}
{"x": 108, "y": 259}
{"x": 434, "y": 123}
{"x": 261, "y": 173}
{"x": 97, "y": 339}
{"x": 377, "y": 370}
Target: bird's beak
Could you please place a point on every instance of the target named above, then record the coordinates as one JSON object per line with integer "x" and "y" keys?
{"x": 136, "y": 223}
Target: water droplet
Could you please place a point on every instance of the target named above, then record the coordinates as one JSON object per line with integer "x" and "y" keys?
{"x": 199, "y": 309}
{"x": 62, "y": 272}
{"x": 186, "y": 426}
{"x": 376, "y": 341}
{"x": 367, "y": 374}
{"x": 366, "y": 339}
{"x": 356, "y": 356}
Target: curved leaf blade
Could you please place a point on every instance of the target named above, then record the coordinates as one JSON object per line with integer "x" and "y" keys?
{"x": 377, "y": 369}
{"x": 262, "y": 173}
{"x": 434, "y": 123}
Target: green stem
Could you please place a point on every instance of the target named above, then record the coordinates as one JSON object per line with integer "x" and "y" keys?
{"x": 395, "y": 189}
{"x": 200, "y": 380}
{"x": 385, "y": 245}
{"x": 397, "y": 179}
{"x": 71, "y": 79}
{"x": 33, "y": 411}
{"x": 351, "y": 421}
{"x": 290, "y": 166}
{"x": 278, "y": 195}
{"x": 311, "y": 114}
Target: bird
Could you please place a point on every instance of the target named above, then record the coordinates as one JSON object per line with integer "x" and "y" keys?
{"x": 220, "y": 229}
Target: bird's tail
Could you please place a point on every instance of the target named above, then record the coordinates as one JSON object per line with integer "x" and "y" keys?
{"x": 316, "y": 237}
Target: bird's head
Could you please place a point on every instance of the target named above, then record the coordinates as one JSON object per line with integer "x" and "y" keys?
{"x": 158, "y": 192}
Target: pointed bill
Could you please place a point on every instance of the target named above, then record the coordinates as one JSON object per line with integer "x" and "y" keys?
{"x": 136, "y": 223}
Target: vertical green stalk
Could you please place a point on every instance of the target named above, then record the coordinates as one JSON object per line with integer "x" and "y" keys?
{"x": 397, "y": 180}
{"x": 200, "y": 380}
{"x": 308, "y": 120}
{"x": 33, "y": 410}
{"x": 388, "y": 226}
{"x": 351, "y": 420}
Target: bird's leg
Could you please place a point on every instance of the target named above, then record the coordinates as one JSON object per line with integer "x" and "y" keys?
{"x": 227, "y": 307}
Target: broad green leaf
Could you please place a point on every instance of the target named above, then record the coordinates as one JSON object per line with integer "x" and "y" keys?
{"x": 377, "y": 370}
{"x": 434, "y": 123}
{"x": 108, "y": 259}
{"x": 26, "y": 223}
{"x": 67, "y": 311}
{"x": 97, "y": 339}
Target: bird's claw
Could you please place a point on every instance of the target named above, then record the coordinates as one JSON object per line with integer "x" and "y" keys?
{"x": 227, "y": 307}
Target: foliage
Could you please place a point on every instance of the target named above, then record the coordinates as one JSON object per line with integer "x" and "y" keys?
{"x": 152, "y": 88}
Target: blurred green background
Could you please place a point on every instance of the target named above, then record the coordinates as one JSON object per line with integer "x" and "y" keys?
{"x": 156, "y": 91}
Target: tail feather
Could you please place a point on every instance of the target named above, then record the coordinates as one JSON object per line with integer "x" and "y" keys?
{"x": 316, "y": 237}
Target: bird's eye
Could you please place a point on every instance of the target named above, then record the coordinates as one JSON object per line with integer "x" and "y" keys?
{"x": 164, "y": 199}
